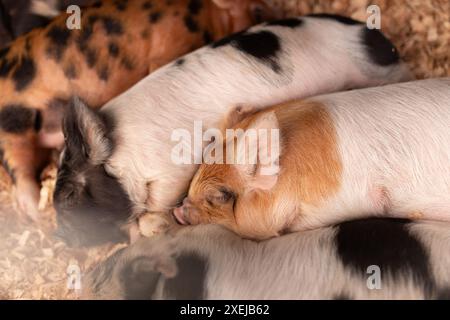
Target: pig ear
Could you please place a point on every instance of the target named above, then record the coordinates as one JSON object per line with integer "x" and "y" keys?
{"x": 261, "y": 168}
{"x": 139, "y": 278}
{"x": 85, "y": 132}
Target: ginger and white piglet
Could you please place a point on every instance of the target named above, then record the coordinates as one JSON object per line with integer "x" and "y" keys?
{"x": 129, "y": 143}
{"x": 382, "y": 151}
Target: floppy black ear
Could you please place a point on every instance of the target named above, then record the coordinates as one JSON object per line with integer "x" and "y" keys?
{"x": 86, "y": 132}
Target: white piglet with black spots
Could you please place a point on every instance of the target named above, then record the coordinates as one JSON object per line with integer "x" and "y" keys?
{"x": 122, "y": 155}
{"x": 365, "y": 259}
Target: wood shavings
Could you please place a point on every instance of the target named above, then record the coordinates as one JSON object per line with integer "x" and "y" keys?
{"x": 23, "y": 238}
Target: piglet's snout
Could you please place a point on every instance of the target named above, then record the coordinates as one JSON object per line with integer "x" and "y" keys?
{"x": 183, "y": 214}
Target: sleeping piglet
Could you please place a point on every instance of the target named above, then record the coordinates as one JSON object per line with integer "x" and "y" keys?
{"x": 121, "y": 158}
{"x": 371, "y": 152}
{"x": 363, "y": 259}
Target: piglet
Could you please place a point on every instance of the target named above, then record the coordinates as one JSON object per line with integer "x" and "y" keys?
{"x": 137, "y": 150}
{"x": 364, "y": 259}
{"x": 372, "y": 152}
{"x": 118, "y": 43}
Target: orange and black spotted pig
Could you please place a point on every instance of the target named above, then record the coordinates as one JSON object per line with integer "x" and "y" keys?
{"x": 21, "y": 16}
{"x": 119, "y": 43}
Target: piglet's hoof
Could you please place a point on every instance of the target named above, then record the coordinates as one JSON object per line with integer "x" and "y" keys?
{"x": 152, "y": 224}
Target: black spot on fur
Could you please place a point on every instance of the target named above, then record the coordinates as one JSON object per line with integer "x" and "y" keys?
{"x": 335, "y": 17}
{"x": 189, "y": 283}
{"x": 24, "y": 74}
{"x": 7, "y": 167}
{"x": 7, "y": 65}
{"x": 120, "y": 5}
{"x": 91, "y": 57}
{"x": 154, "y": 17}
{"x": 147, "y": 5}
{"x": 84, "y": 37}
{"x": 97, "y": 4}
{"x": 92, "y": 19}
{"x": 207, "y": 37}
{"x": 103, "y": 73}
{"x": 180, "y": 62}
{"x": 127, "y": 63}
{"x": 263, "y": 45}
{"x": 195, "y": 6}
{"x": 380, "y": 49}
{"x": 16, "y": 118}
{"x": 38, "y": 121}
{"x": 3, "y": 52}
{"x": 230, "y": 40}
{"x": 139, "y": 280}
{"x": 191, "y": 24}
{"x": 59, "y": 38}
{"x": 113, "y": 49}
{"x": 291, "y": 23}
{"x": 112, "y": 26}
{"x": 386, "y": 243}
{"x": 70, "y": 71}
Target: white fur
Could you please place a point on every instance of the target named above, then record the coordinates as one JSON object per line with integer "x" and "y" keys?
{"x": 320, "y": 56}
{"x": 304, "y": 265}
{"x": 392, "y": 140}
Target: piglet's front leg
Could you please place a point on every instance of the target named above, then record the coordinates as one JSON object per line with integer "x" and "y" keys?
{"x": 151, "y": 224}
{"x": 23, "y": 160}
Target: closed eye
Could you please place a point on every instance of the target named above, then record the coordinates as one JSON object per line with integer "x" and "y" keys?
{"x": 227, "y": 195}
{"x": 223, "y": 197}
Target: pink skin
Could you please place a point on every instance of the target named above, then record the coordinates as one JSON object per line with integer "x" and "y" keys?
{"x": 179, "y": 215}
{"x": 182, "y": 213}
{"x": 52, "y": 140}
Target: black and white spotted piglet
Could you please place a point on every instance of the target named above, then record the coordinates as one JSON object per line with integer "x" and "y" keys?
{"x": 128, "y": 146}
{"x": 366, "y": 259}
